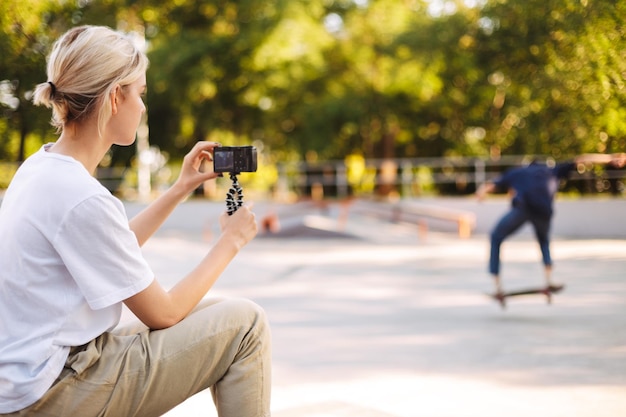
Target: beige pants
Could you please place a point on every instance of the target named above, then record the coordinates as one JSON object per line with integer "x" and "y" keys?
{"x": 132, "y": 371}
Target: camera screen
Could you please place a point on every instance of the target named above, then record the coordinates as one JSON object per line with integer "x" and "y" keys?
{"x": 223, "y": 161}
{"x": 234, "y": 159}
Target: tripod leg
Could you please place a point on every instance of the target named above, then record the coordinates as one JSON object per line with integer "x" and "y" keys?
{"x": 234, "y": 197}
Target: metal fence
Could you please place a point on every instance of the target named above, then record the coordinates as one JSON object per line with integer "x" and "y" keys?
{"x": 411, "y": 177}
{"x": 404, "y": 177}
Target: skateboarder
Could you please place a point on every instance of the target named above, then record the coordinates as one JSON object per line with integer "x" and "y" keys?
{"x": 533, "y": 188}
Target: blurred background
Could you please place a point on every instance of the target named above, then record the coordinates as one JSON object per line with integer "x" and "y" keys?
{"x": 358, "y": 103}
{"x": 391, "y": 98}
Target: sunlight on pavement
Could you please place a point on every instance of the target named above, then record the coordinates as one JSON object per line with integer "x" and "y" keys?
{"x": 430, "y": 396}
{"x": 391, "y": 325}
{"x": 437, "y": 396}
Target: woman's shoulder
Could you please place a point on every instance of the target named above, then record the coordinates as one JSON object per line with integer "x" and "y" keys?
{"x": 55, "y": 181}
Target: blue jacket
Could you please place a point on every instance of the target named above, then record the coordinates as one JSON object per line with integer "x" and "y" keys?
{"x": 535, "y": 185}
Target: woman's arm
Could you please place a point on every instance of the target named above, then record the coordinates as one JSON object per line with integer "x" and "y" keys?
{"x": 152, "y": 217}
{"x": 158, "y": 308}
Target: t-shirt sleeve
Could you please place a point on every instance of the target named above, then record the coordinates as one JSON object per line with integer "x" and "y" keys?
{"x": 101, "y": 252}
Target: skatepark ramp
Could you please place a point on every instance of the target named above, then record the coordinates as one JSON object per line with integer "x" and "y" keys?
{"x": 423, "y": 215}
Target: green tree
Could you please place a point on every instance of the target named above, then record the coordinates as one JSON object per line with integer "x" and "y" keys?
{"x": 27, "y": 30}
{"x": 555, "y": 69}
{"x": 381, "y": 78}
{"x": 202, "y": 84}
{"x": 25, "y": 35}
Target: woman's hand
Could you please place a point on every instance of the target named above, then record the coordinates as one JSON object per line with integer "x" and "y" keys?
{"x": 191, "y": 173}
{"x": 240, "y": 227}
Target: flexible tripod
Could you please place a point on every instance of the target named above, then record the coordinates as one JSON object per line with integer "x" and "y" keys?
{"x": 234, "y": 197}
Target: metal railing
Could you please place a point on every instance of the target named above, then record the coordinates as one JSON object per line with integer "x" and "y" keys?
{"x": 411, "y": 177}
{"x": 405, "y": 177}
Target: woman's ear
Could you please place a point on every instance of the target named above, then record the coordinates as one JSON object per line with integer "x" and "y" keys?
{"x": 115, "y": 96}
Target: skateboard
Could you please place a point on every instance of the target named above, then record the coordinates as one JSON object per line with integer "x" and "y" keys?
{"x": 547, "y": 291}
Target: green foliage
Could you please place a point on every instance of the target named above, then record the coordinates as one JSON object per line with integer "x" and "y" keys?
{"x": 27, "y": 30}
{"x": 378, "y": 78}
{"x": 555, "y": 70}
{"x": 7, "y": 170}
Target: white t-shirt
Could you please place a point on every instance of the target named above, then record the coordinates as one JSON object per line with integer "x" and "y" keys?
{"x": 67, "y": 261}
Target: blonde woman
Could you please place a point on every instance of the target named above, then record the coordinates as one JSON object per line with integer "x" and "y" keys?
{"x": 69, "y": 258}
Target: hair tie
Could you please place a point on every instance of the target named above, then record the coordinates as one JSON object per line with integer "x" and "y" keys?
{"x": 53, "y": 88}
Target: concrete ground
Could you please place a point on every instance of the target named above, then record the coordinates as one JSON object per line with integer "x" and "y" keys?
{"x": 380, "y": 319}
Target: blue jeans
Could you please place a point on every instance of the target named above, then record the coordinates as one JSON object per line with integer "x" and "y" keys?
{"x": 509, "y": 224}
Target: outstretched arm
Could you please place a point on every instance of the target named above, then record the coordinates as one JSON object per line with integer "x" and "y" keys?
{"x": 159, "y": 309}
{"x": 617, "y": 159}
{"x": 484, "y": 189}
{"x": 152, "y": 217}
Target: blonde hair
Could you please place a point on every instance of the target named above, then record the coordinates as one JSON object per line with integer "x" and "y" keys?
{"x": 84, "y": 67}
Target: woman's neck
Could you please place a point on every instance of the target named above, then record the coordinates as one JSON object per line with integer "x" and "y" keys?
{"x": 83, "y": 143}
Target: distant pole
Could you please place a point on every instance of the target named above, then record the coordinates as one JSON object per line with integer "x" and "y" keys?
{"x": 480, "y": 176}
{"x": 342, "y": 180}
{"x": 406, "y": 181}
{"x": 144, "y": 159}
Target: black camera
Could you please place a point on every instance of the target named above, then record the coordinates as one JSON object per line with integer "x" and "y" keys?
{"x": 234, "y": 159}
